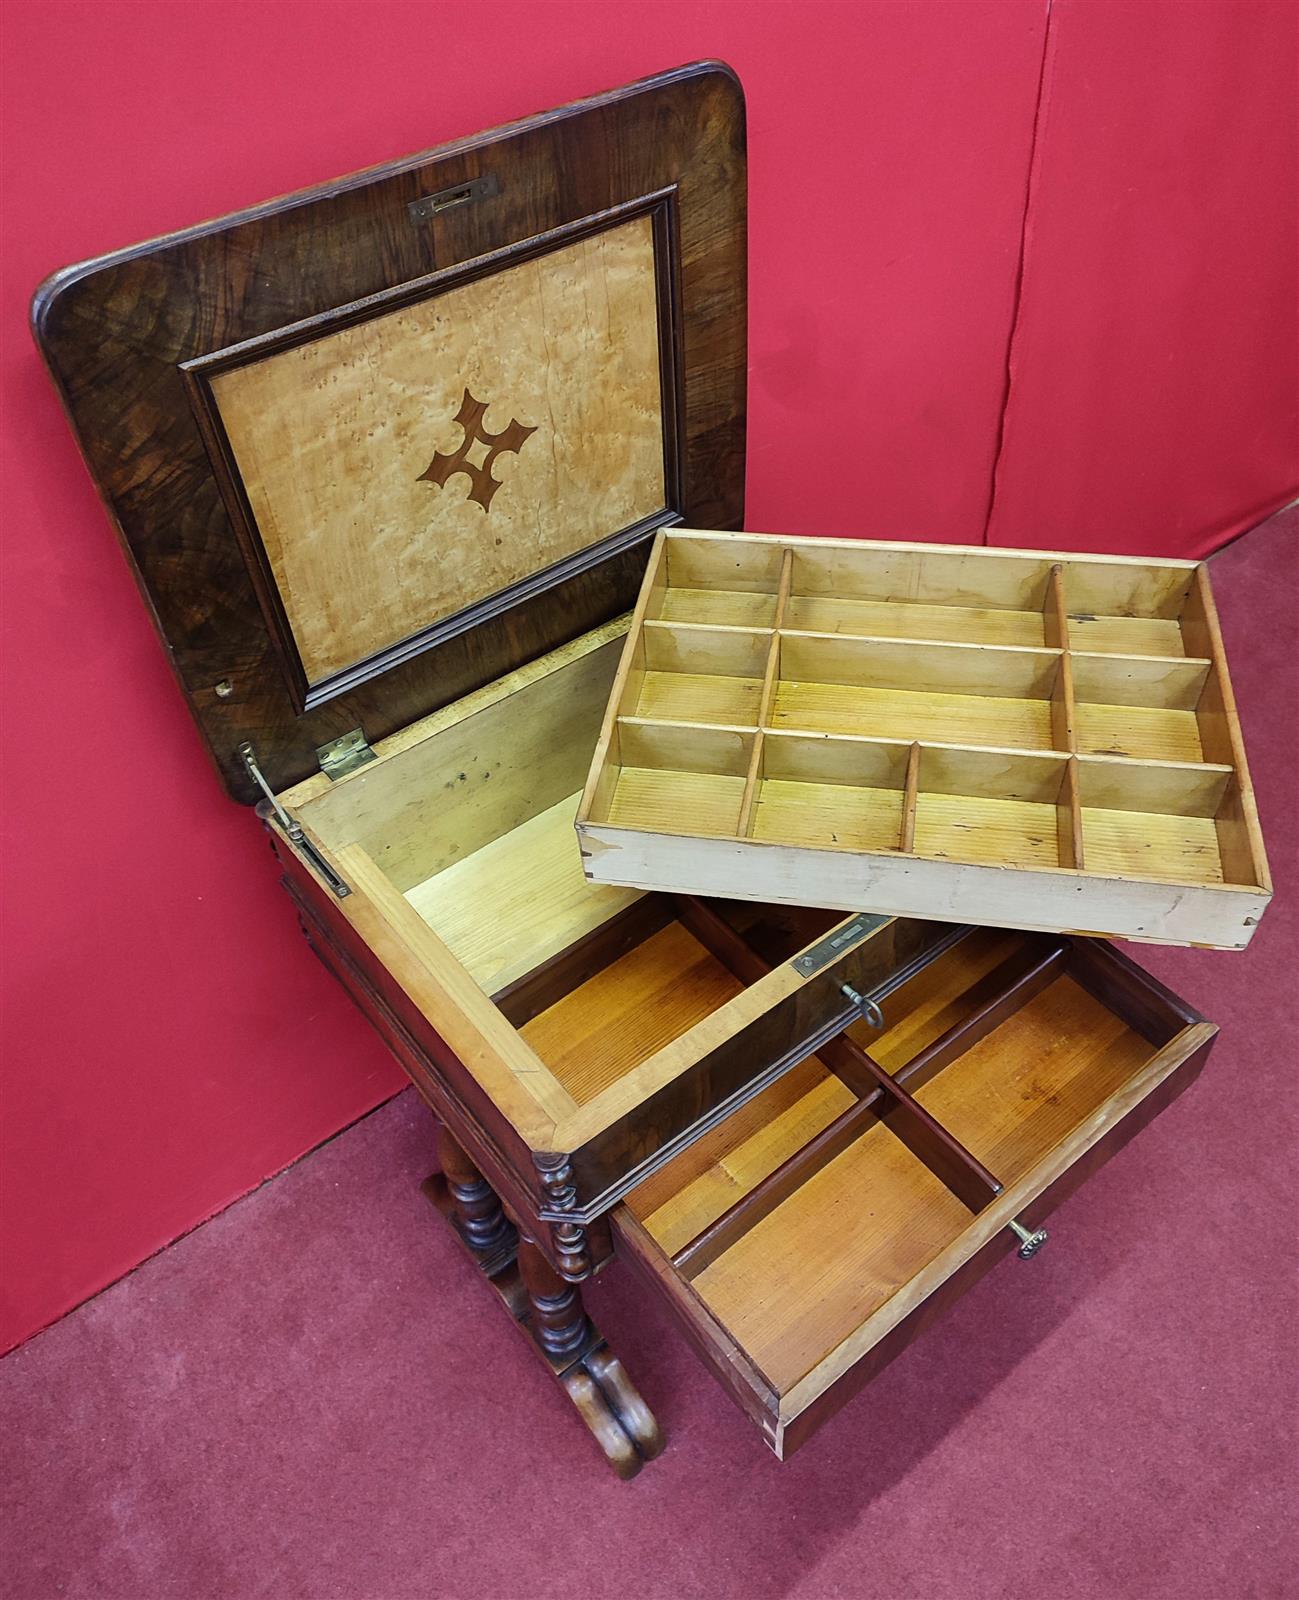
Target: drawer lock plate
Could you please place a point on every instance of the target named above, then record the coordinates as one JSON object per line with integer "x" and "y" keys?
{"x": 834, "y": 944}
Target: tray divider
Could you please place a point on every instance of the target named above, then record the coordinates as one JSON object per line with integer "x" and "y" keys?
{"x": 1068, "y": 810}
{"x": 1064, "y": 721}
{"x": 773, "y": 1190}
{"x": 910, "y": 797}
{"x": 771, "y": 677}
{"x": 744, "y": 825}
{"x": 926, "y": 1138}
{"x": 1055, "y": 618}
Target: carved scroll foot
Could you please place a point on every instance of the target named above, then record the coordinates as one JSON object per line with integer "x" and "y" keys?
{"x": 547, "y": 1306}
{"x": 619, "y": 1420}
{"x": 590, "y": 1374}
{"x": 634, "y": 1417}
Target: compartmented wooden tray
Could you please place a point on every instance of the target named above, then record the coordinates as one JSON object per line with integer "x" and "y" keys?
{"x": 1007, "y": 737}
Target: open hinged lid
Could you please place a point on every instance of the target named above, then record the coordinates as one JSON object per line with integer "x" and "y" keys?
{"x": 375, "y": 444}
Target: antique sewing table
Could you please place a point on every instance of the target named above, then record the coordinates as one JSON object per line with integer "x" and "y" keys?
{"x": 388, "y": 458}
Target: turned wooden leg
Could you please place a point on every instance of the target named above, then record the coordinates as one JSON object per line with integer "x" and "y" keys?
{"x": 559, "y": 1319}
{"x": 473, "y": 1208}
{"x": 483, "y": 1224}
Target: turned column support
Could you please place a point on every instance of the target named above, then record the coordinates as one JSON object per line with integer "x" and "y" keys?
{"x": 476, "y": 1206}
{"x": 544, "y": 1301}
{"x": 572, "y": 1249}
{"x": 559, "y": 1320}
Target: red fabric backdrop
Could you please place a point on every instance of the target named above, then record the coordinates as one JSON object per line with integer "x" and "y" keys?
{"x": 169, "y": 1040}
{"x": 1154, "y": 398}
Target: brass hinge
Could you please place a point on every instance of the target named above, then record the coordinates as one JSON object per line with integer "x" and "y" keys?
{"x": 341, "y": 756}
{"x": 293, "y": 829}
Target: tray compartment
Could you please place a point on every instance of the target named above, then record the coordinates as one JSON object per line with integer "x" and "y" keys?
{"x": 899, "y": 689}
{"x": 702, "y": 674}
{"x": 972, "y": 732}
{"x": 673, "y": 775}
{"x": 801, "y": 1247}
{"x": 707, "y": 585}
{"x": 828, "y": 791}
{"x": 1139, "y": 706}
{"x": 949, "y": 580}
{"x": 1133, "y": 608}
{"x": 987, "y": 806}
{"x": 1175, "y": 822}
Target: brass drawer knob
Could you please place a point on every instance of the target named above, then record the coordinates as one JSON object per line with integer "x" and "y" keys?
{"x": 1029, "y": 1243}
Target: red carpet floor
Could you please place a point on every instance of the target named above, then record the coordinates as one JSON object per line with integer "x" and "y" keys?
{"x": 311, "y": 1396}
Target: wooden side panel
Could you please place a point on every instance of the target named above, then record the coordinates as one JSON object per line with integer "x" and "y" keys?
{"x": 462, "y": 778}
{"x": 747, "y": 1386}
{"x": 424, "y": 1055}
{"x": 1220, "y": 916}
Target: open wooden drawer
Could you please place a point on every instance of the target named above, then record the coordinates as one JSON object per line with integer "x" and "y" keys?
{"x": 807, "y": 1239}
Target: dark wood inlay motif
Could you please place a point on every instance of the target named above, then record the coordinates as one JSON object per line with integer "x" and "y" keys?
{"x": 446, "y": 463}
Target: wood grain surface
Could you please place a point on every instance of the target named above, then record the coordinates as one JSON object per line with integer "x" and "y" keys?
{"x": 333, "y": 436}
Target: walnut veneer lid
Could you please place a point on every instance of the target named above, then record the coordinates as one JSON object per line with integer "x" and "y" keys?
{"x": 372, "y": 445}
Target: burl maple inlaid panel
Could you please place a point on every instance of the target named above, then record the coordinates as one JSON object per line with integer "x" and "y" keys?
{"x": 1008, "y": 737}
{"x": 404, "y": 466}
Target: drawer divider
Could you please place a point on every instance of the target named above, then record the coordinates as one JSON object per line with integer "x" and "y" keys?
{"x": 718, "y": 1237}
{"x": 996, "y": 996}
{"x": 882, "y": 1095}
{"x": 926, "y": 1138}
{"x": 721, "y": 941}
{"x": 949, "y": 1161}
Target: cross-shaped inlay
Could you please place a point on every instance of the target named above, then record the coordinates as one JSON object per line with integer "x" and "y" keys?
{"x": 476, "y": 452}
